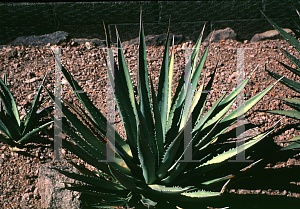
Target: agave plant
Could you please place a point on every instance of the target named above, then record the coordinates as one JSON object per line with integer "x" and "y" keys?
{"x": 14, "y": 132}
{"x": 150, "y": 164}
{"x": 294, "y": 103}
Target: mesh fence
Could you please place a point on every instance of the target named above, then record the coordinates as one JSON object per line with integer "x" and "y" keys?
{"x": 84, "y": 20}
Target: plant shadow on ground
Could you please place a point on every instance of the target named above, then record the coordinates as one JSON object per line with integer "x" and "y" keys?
{"x": 255, "y": 178}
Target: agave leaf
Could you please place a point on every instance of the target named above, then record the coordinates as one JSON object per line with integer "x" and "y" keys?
{"x": 178, "y": 167}
{"x": 292, "y": 58}
{"x": 124, "y": 96}
{"x": 199, "y": 107}
{"x": 294, "y": 103}
{"x": 83, "y": 130}
{"x": 86, "y": 102}
{"x": 109, "y": 204}
{"x": 91, "y": 190}
{"x": 196, "y": 51}
{"x": 217, "y": 115}
{"x": 145, "y": 153}
{"x": 289, "y": 113}
{"x": 147, "y": 202}
{"x": 123, "y": 179}
{"x": 289, "y": 83}
{"x": 84, "y": 155}
{"x": 191, "y": 89}
{"x": 220, "y": 159}
{"x": 233, "y": 152}
{"x": 83, "y": 170}
{"x": 171, "y": 68}
{"x": 170, "y": 154}
{"x": 144, "y": 96}
{"x": 196, "y": 98}
{"x": 228, "y": 120}
{"x": 10, "y": 106}
{"x": 96, "y": 181}
{"x": 178, "y": 98}
{"x": 34, "y": 132}
{"x": 176, "y": 113}
{"x": 86, "y": 148}
{"x": 126, "y": 110}
{"x": 32, "y": 113}
{"x": 4, "y": 129}
{"x": 195, "y": 78}
{"x": 293, "y": 41}
{"x": 218, "y": 180}
{"x": 163, "y": 91}
{"x": 295, "y": 143}
{"x": 121, "y": 146}
{"x": 202, "y": 193}
{"x": 294, "y": 70}
{"x": 6, "y": 140}
{"x": 169, "y": 190}
{"x": 123, "y": 69}
{"x": 160, "y": 137}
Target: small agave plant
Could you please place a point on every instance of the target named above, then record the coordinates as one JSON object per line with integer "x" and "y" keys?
{"x": 294, "y": 103}
{"x": 149, "y": 165}
{"x": 13, "y": 131}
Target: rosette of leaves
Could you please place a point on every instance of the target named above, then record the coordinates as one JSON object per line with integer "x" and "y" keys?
{"x": 150, "y": 167}
{"x": 294, "y": 103}
{"x": 17, "y": 133}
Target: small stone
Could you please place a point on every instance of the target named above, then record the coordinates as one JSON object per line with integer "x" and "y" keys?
{"x": 36, "y": 194}
{"x": 25, "y": 197}
{"x": 12, "y": 53}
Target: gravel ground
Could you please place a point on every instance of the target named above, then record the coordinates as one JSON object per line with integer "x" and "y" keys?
{"x": 18, "y": 182}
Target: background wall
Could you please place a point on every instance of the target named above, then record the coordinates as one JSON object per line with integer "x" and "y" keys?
{"x": 84, "y": 20}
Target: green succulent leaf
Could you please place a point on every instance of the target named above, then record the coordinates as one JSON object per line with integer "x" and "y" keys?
{"x": 28, "y": 123}
{"x": 293, "y": 41}
{"x": 288, "y": 113}
{"x": 145, "y": 99}
{"x": 289, "y": 83}
{"x": 160, "y": 137}
{"x": 145, "y": 153}
{"x": 294, "y": 70}
{"x": 163, "y": 86}
{"x": 170, "y": 190}
{"x": 108, "y": 185}
{"x": 10, "y": 106}
{"x": 34, "y": 132}
{"x": 201, "y": 194}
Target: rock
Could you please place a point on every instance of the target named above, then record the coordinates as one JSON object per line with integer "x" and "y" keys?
{"x": 89, "y": 45}
{"x": 54, "y": 38}
{"x": 94, "y": 41}
{"x": 270, "y": 34}
{"x": 49, "y": 187}
{"x": 222, "y": 34}
{"x": 33, "y": 79}
{"x": 26, "y": 197}
{"x": 157, "y": 40}
{"x": 36, "y": 194}
{"x": 12, "y": 53}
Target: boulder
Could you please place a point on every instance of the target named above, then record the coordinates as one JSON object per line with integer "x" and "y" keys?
{"x": 157, "y": 40}
{"x": 270, "y": 34}
{"x": 54, "y": 38}
{"x": 49, "y": 187}
{"x": 221, "y": 34}
{"x": 92, "y": 42}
